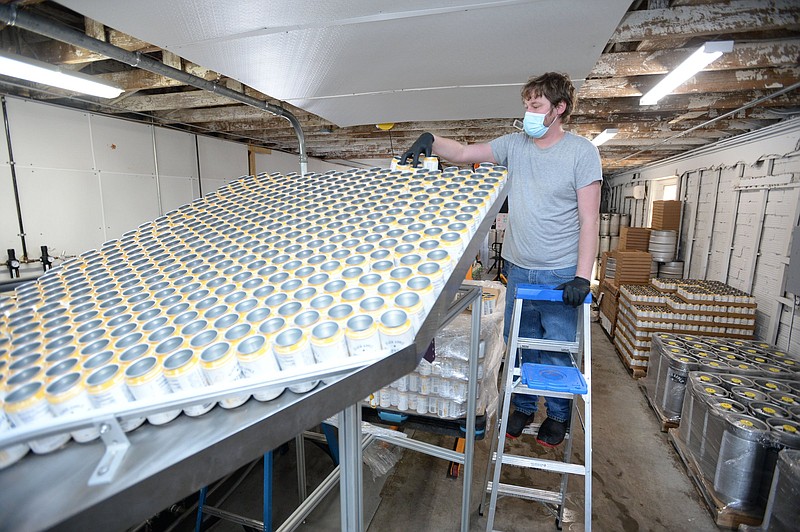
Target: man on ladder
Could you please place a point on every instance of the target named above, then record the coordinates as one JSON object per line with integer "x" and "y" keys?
{"x": 553, "y": 227}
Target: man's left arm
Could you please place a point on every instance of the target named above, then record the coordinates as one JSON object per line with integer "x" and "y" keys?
{"x": 589, "y": 217}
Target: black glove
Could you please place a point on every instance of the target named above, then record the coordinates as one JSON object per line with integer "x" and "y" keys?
{"x": 424, "y": 144}
{"x": 575, "y": 291}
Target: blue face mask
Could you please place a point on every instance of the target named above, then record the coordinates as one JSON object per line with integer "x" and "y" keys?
{"x": 533, "y": 125}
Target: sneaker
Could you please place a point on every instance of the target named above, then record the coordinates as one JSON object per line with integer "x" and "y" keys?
{"x": 517, "y": 422}
{"x": 551, "y": 433}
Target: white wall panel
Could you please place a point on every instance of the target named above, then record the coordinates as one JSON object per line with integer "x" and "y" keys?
{"x": 9, "y": 228}
{"x": 48, "y": 136}
{"x": 176, "y": 191}
{"x": 128, "y": 200}
{"x": 61, "y": 209}
{"x": 210, "y": 185}
{"x": 122, "y": 146}
{"x": 177, "y": 154}
{"x": 220, "y": 160}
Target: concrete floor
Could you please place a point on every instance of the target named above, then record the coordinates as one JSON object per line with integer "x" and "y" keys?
{"x": 638, "y": 480}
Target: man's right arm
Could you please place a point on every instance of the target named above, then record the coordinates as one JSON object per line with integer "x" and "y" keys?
{"x": 458, "y": 153}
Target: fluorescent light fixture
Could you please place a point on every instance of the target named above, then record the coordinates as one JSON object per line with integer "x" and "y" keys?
{"x": 21, "y": 67}
{"x": 605, "y": 136}
{"x": 696, "y": 62}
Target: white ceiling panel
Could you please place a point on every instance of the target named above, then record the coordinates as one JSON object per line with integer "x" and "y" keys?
{"x": 337, "y": 57}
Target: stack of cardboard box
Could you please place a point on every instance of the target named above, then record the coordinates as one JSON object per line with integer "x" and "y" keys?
{"x": 666, "y": 215}
{"x": 630, "y": 267}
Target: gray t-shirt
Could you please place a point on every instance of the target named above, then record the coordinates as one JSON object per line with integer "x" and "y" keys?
{"x": 543, "y": 222}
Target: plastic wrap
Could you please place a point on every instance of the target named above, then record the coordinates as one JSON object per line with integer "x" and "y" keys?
{"x": 781, "y": 513}
{"x": 439, "y": 388}
{"x": 731, "y": 446}
{"x": 379, "y": 456}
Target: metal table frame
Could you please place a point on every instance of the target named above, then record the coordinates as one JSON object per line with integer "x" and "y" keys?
{"x": 352, "y": 442}
{"x": 162, "y": 464}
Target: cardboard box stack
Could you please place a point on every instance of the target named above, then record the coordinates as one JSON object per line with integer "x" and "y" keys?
{"x": 634, "y": 239}
{"x": 620, "y": 267}
{"x": 666, "y": 215}
{"x": 690, "y": 306}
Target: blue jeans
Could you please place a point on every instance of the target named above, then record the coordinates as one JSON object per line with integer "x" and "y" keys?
{"x": 541, "y": 319}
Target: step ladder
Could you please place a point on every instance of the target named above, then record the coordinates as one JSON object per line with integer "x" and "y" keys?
{"x": 545, "y": 383}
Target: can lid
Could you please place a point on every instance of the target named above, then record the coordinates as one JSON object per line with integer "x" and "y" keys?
{"x": 143, "y": 370}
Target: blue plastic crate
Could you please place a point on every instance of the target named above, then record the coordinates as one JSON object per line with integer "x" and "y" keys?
{"x": 554, "y": 378}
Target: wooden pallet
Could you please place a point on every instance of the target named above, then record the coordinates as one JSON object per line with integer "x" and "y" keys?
{"x": 635, "y": 371}
{"x": 666, "y": 423}
{"x": 724, "y": 516}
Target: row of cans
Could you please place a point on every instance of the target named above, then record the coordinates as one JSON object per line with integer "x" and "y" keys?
{"x": 270, "y": 273}
{"x": 413, "y": 403}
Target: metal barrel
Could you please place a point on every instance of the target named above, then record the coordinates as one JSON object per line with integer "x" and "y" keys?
{"x": 740, "y": 462}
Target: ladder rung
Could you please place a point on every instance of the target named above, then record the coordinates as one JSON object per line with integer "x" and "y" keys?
{"x": 547, "y": 465}
{"x": 548, "y": 345}
{"x": 532, "y": 494}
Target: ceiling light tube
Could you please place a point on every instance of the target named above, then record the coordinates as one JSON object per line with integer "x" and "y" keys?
{"x": 605, "y": 136}
{"x": 29, "y": 69}
{"x": 696, "y": 62}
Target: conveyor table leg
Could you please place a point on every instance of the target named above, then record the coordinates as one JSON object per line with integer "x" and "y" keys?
{"x": 351, "y": 484}
{"x": 267, "y": 491}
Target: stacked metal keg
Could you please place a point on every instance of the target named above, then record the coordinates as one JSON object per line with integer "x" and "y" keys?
{"x": 740, "y": 407}
{"x": 610, "y": 225}
{"x": 270, "y": 273}
{"x": 663, "y": 245}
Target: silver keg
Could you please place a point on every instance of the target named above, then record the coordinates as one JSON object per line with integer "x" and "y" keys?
{"x": 671, "y": 270}
{"x": 781, "y": 513}
{"x": 605, "y": 223}
{"x": 605, "y": 244}
{"x": 614, "y": 225}
{"x": 730, "y": 380}
{"x": 624, "y": 221}
{"x": 693, "y": 411}
{"x": 670, "y": 392}
{"x": 663, "y": 245}
{"x": 785, "y": 434}
{"x": 765, "y": 410}
{"x": 768, "y": 385}
{"x": 746, "y": 395}
{"x": 741, "y": 460}
{"x": 717, "y": 407}
{"x": 784, "y": 399}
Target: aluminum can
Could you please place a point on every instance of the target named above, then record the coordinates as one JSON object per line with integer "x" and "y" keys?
{"x": 182, "y": 371}
{"x": 293, "y": 350}
{"x": 67, "y": 395}
{"x": 362, "y": 335}
{"x": 219, "y": 365}
{"x": 14, "y": 453}
{"x": 146, "y": 380}
{"x": 27, "y": 404}
{"x": 328, "y": 342}
{"x": 256, "y": 359}
{"x": 424, "y": 288}
{"x": 411, "y": 304}
{"x": 106, "y": 386}
{"x": 395, "y": 330}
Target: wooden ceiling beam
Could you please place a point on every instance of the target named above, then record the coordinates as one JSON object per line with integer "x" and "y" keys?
{"x": 713, "y": 19}
{"x": 58, "y": 53}
{"x": 175, "y": 100}
{"x": 719, "y": 81}
{"x": 760, "y": 54}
